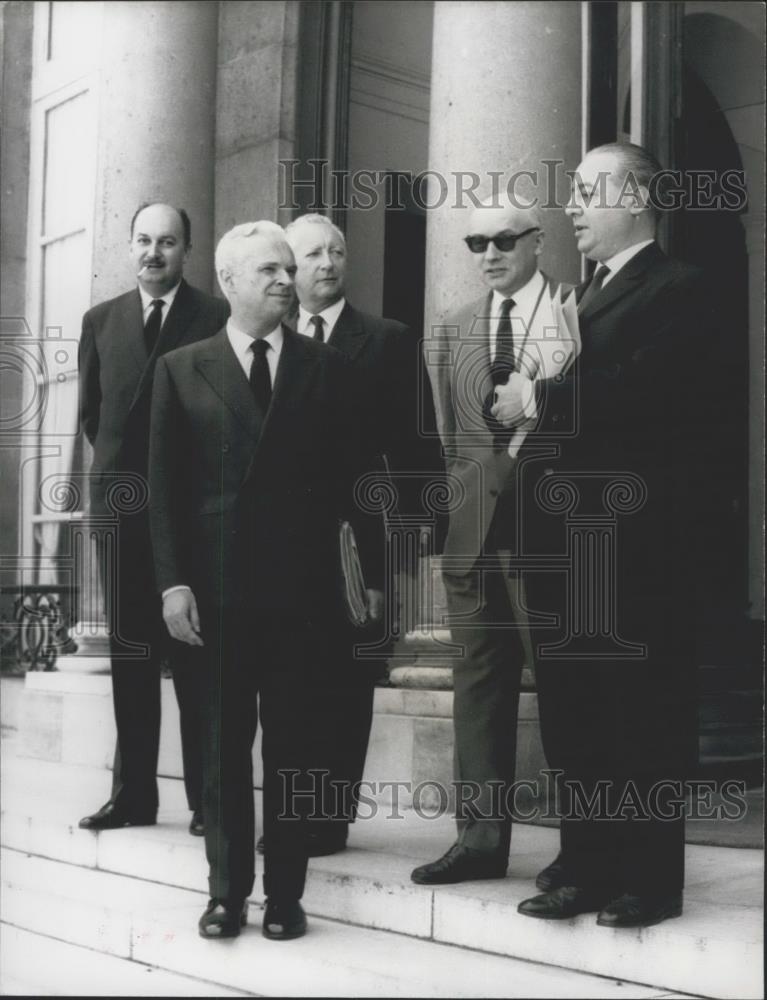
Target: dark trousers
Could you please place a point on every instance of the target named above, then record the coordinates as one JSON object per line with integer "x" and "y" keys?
{"x": 606, "y": 728}
{"x": 486, "y": 679}
{"x": 348, "y": 694}
{"x": 136, "y": 697}
{"x": 623, "y": 734}
{"x": 267, "y": 667}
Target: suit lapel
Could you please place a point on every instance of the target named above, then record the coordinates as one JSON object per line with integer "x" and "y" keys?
{"x": 348, "y": 334}
{"x": 625, "y": 281}
{"x": 132, "y": 323}
{"x": 471, "y": 382}
{"x": 475, "y": 338}
{"x": 292, "y": 371}
{"x": 182, "y": 312}
{"x": 219, "y": 366}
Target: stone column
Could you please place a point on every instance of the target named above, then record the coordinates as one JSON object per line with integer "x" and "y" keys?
{"x": 255, "y": 109}
{"x": 155, "y": 127}
{"x": 156, "y": 130}
{"x": 505, "y": 96}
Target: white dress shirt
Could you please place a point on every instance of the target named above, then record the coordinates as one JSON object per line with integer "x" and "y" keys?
{"x": 329, "y": 319}
{"x": 241, "y": 345}
{"x": 525, "y": 301}
{"x": 147, "y": 300}
{"x": 619, "y": 260}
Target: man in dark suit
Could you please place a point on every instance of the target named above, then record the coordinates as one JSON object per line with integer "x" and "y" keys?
{"x": 397, "y": 410}
{"x": 120, "y": 344}
{"x": 630, "y": 418}
{"x": 470, "y": 362}
{"x": 249, "y": 482}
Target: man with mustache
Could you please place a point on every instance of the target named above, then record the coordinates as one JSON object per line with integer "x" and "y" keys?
{"x": 120, "y": 344}
{"x": 397, "y": 411}
{"x": 255, "y": 452}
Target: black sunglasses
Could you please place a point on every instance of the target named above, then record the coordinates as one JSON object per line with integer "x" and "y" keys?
{"x": 504, "y": 241}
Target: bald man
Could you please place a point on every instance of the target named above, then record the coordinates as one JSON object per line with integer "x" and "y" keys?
{"x": 480, "y": 348}
{"x": 119, "y": 347}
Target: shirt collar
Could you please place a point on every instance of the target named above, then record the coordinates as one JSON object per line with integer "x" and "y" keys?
{"x": 619, "y": 260}
{"x": 524, "y": 298}
{"x": 329, "y": 315}
{"x": 167, "y": 298}
{"x": 241, "y": 342}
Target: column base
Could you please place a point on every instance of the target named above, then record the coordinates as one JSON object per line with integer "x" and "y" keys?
{"x": 92, "y": 656}
{"x": 411, "y": 746}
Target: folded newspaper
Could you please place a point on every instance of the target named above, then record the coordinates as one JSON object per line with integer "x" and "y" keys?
{"x": 354, "y": 593}
{"x": 553, "y": 343}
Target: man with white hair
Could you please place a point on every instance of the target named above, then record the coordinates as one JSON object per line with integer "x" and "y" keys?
{"x": 254, "y": 454}
{"x": 397, "y": 414}
{"x": 476, "y": 354}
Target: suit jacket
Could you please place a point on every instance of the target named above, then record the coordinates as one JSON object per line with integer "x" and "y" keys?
{"x": 116, "y": 374}
{"x": 480, "y": 474}
{"x": 637, "y": 408}
{"x": 115, "y": 394}
{"x": 245, "y": 508}
{"x": 395, "y": 396}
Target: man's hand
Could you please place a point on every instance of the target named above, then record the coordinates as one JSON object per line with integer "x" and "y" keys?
{"x": 514, "y": 404}
{"x": 179, "y": 609}
{"x": 375, "y": 604}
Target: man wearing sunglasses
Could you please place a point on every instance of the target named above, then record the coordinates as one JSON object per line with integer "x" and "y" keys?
{"x": 480, "y": 350}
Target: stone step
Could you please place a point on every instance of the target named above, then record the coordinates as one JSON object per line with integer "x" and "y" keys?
{"x": 36, "y": 965}
{"x": 713, "y": 950}
{"x": 137, "y": 929}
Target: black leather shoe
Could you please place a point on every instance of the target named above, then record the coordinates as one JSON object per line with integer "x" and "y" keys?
{"x": 260, "y": 844}
{"x": 460, "y": 864}
{"x": 553, "y": 876}
{"x": 329, "y": 840}
{"x": 196, "y": 825}
{"x": 223, "y": 918}
{"x": 562, "y": 904}
{"x": 109, "y": 817}
{"x": 283, "y": 919}
{"x": 640, "y": 911}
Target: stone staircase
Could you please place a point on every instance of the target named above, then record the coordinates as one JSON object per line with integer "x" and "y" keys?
{"x": 115, "y": 914}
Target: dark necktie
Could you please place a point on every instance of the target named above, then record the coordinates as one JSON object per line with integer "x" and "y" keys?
{"x": 260, "y": 379}
{"x": 316, "y": 322}
{"x": 504, "y": 362}
{"x": 594, "y": 286}
{"x": 152, "y": 325}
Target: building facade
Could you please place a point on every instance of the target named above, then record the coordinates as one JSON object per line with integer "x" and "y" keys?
{"x": 386, "y": 115}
